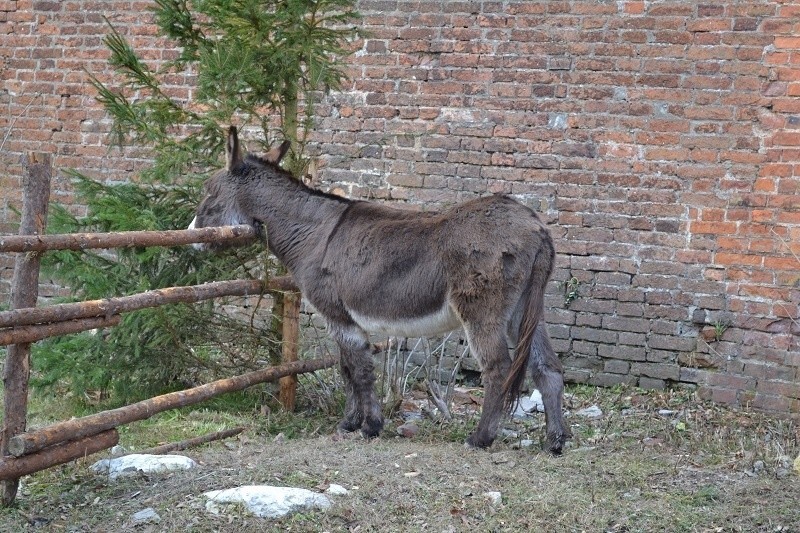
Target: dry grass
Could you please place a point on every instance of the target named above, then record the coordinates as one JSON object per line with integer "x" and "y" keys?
{"x": 699, "y": 468}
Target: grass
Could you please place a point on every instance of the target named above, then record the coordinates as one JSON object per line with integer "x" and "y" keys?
{"x": 698, "y": 467}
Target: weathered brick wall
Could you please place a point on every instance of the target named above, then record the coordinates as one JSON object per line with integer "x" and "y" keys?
{"x": 659, "y": 138}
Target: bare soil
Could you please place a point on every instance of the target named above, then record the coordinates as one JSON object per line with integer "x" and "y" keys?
{"x": 697, "y": 467}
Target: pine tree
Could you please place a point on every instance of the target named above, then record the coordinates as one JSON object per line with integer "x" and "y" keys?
{"x": 258, "y": 64}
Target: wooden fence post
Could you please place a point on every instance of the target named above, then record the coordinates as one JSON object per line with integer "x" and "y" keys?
{"x": 24, "y": 293}
{"x": 291, "y": 340}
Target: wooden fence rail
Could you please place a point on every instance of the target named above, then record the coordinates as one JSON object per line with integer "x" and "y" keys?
{"x": 124, "y": 239}
{"x": 85, "y": 427}
{"x": 28, "y": 334}
{"x": 154, "y": 298}
{"x": 12, "y": 468}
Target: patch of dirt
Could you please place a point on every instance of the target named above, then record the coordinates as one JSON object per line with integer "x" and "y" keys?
{"x": 633, "y": 469}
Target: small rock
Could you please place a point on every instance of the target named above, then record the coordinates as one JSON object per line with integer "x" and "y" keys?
{"x": 527, "y": 405}
{"x": 146, "y": 516}
{"x": 280, "y": 438}
{"x": 666, "y": 412}
{"x": 408, "y": 416}
{"x": 590, "y": 412}
{"x": 633, "y": 494}
{"x": 337, "y": 490}
{"x": 118, "y": 450}
{"x": 536, "y": 401}
{"x": 758, "y": 467}
{"x": 495, "y": 497}
{"x": 408, "y": 430}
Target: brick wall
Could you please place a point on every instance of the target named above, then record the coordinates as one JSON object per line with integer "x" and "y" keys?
{"x": 659, "y": 138}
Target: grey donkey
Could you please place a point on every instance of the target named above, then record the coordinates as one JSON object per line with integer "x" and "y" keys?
{"x": 370, "y": 268}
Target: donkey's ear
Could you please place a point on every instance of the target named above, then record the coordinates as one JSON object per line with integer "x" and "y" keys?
{"x": 233, "y": 154}
{"x": 276, "y": 153}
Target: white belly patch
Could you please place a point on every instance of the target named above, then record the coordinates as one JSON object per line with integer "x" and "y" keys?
{"x": 442, "y": 321}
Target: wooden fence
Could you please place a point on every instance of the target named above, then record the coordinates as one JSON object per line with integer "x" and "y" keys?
{"x": 24, "y": 452}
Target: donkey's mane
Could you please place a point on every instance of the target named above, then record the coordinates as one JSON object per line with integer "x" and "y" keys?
{"x": 259, "y": 161}
{"x": 265, "y": 164}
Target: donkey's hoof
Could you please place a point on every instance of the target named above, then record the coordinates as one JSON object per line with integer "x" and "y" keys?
{"x": 348, "y": 425}
{"x": 371, "y": 428}
{"x": 554, "y": 444}
{"x": 477, "y": 443}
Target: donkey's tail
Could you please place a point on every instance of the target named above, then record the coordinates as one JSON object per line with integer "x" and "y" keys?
{"x": 533, "y": 311}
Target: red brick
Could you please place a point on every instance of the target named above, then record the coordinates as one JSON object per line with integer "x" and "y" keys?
{"x": 723, "y": 228}
{"x": 782, "y": 42}
{"x": 739, "y": 259}
{"x": 781, "y": 263}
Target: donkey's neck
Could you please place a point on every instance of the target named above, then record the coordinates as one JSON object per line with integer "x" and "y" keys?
{"x": 296, "y": 218}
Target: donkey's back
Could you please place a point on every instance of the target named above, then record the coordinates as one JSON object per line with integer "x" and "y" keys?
{"x": 411, "y": 273}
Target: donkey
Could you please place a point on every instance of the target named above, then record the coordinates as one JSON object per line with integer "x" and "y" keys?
{"x": 370, "y": 268}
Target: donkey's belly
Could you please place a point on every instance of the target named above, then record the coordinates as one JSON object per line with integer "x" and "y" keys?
{"x": 441, "y": 321}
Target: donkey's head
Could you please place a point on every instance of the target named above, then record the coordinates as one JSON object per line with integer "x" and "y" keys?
{"x": 221, "y": 203}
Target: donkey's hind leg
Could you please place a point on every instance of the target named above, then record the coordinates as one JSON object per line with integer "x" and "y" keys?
{"x": 362, "y": 409}
{"x": 492, "y": 353}
{"x": 548, "y": 376}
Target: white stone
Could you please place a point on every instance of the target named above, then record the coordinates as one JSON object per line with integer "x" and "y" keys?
{"x": 590, "y": 412}
{"x": 146, "y": 516}
{"x": 133, "y": 464}
{"x": 337, "y": 490}
{"x": 529, "y": 404}
{"x": 118, "y": 450}
{"x": 494, "y": 497}
{"x": 266, "y": 501}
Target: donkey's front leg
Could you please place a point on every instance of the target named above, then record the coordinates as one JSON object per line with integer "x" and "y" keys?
{"x": 362, "y": 409}
{"x": 495, "y": 362}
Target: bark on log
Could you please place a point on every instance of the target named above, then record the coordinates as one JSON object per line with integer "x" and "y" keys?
{"x": 78, "y": 428}
{"x": 124, "y": 239}
{"x": 16, "y": 467}
{"x": 190, "y": 443}
{"x": 114, "y": 306}
{"x": 38, "y": 332}
{"x": 291, "y": 337}
{"x": 24, "y": 293}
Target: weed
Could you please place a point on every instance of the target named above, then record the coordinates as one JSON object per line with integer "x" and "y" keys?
{"x": 571, "y": 287}
{"x": 720, "y": 326}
